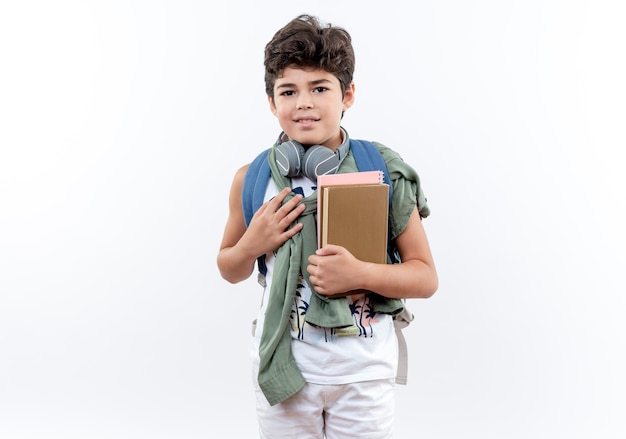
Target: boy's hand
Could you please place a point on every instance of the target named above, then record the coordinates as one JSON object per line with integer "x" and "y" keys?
{"x": 333, "y": 270}
{"x": 268, "y": 228}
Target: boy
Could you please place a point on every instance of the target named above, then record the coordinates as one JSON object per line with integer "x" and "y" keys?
{"x": 316, "y": 374}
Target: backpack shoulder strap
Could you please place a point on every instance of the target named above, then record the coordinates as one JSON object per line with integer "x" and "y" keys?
{"x": 252, "y": 195}
{"x": 369, "y": 158}
{"x": 254, "y": 185}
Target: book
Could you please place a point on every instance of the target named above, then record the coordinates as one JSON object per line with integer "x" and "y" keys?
{"x": 366, "y": 177}
{"x": 355, "y": 216}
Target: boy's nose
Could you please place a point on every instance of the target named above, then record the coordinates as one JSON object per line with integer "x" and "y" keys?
{"x": 304, "y": 104}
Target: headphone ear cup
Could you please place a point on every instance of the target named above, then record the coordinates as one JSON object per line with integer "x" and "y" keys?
{"x": 289, "y": 158}
{"x": 319, "y": 160}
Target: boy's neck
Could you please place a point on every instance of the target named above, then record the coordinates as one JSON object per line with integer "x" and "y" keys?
{"x": 343, "y": 136}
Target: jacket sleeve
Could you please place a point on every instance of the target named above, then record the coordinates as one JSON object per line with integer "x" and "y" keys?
{"x": 407, "y": 190}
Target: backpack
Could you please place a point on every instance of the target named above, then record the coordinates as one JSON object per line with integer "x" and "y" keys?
{"x": 368, "y": 158}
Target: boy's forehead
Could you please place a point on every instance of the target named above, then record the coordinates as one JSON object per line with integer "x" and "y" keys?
{"x": 306, "y": 74}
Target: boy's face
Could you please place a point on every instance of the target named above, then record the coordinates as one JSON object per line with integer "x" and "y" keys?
{"x": 308, "y": 104}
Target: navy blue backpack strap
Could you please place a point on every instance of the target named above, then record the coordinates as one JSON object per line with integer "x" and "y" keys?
{"x": 369, "y": 158}
{"x": 253, "y": 193}
{"x": 254, "y": 185}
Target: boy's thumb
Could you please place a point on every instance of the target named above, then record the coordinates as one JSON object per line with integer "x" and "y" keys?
{"x": 328, "y": 249}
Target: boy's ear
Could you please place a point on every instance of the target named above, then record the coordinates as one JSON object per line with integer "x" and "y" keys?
{"x": 272, "y": 106}
{"x": 348, "y": 97}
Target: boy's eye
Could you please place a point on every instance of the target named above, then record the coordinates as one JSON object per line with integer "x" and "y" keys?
{"x": 287, "y": 93}
{"x": 320, "y": 89}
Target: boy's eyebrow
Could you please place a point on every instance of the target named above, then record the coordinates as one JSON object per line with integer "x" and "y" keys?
{"x": 311, "y": 83}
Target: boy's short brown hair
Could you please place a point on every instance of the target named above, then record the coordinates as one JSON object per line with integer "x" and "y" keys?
{"x": 305, "y": 43}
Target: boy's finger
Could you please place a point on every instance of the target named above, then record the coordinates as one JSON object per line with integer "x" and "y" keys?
{"x": 292, "y": 203}
{"x": 276, "y": 201}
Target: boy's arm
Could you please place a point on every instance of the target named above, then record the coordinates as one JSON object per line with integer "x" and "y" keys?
{"x": 334, "y": 270}
{"x": 267, "y": 231}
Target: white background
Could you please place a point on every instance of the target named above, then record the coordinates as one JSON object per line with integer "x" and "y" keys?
{"x": 123, "y": 122}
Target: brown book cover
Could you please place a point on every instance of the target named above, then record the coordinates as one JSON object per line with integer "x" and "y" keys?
{"x": 366, "y": 177}
{"x": 355, "y": 217}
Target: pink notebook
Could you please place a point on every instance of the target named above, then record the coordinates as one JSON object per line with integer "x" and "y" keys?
{"x": 367, "y": 177}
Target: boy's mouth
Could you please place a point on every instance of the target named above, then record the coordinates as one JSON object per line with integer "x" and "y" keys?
{"x": 306, "y": 121}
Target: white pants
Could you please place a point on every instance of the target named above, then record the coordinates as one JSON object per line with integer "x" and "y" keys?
{"x": 358, "y": 410}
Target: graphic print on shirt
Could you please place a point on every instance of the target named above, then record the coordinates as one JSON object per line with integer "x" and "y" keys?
{"x": 298, "y": 312}
{"x": 361, "y": 308}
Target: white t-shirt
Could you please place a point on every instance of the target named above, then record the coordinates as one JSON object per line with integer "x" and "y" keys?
{"x": 366, "y": 351}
